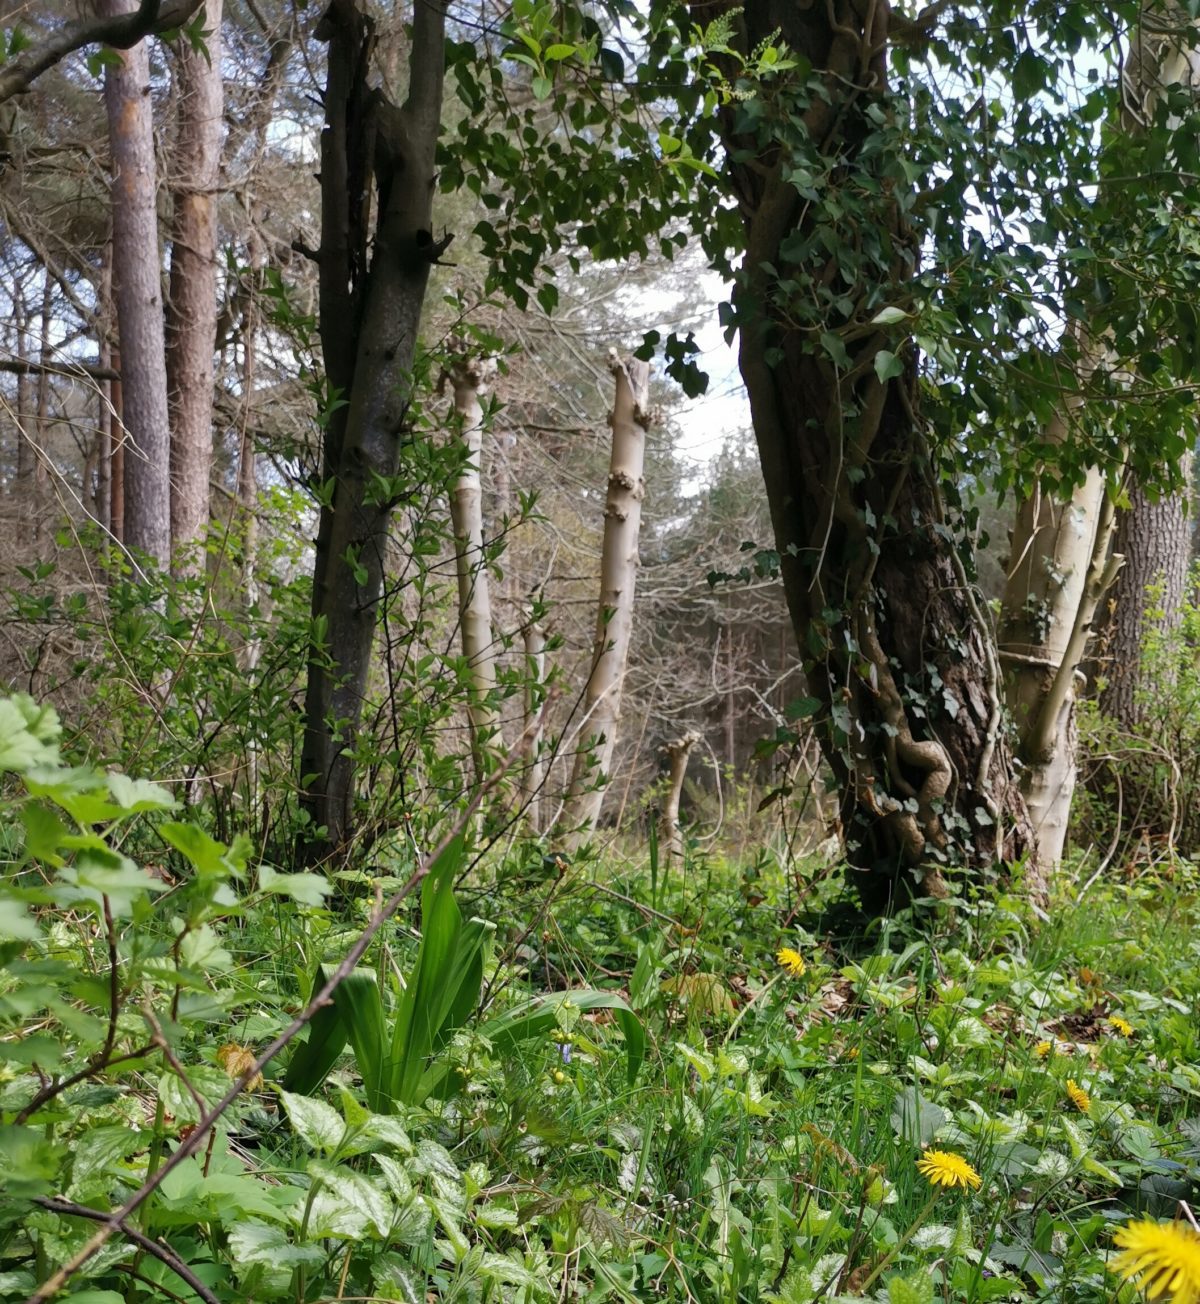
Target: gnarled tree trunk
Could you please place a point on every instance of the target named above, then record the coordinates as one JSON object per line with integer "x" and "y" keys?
{"x": 137, "y": 294}
{"x": 898, "y": 653}
{"x": 371, "y": 296}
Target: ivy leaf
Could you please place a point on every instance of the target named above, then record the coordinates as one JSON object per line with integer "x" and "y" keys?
{"x": 887, "y": 366}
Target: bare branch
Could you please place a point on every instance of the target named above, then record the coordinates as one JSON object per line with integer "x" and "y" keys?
{"x": 149, "y": 19}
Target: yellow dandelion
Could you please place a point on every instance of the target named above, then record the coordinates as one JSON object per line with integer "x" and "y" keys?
{"x": 1163, "y": 1259}
{"x": 1043, "y": 1049}
{"x": 791, "y": 960}
{"x": 1078, "y": 1097}
{"x": 1118, "y": 1024}
{"x": 944, "y": 1168}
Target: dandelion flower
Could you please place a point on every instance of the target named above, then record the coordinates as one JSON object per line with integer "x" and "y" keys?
{"x": 1163, "y": 1258}
{"x": 1078, "y": 1097}
{"x": 1123, "y": 1026}
{"x": 792, "y": 961}
{"x": 944, "y": 1168}
{"x": 1043, "y": 1049}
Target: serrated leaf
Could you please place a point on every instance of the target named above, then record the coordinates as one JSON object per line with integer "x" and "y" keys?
{"x": 317, "y": 1124}
{"x": 366, "y": 1207}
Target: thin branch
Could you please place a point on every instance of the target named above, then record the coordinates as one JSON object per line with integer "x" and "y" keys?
{"x": 91, "y": 370}
{"x": 163, "y": 1253}
{"x": 121, "y": 32}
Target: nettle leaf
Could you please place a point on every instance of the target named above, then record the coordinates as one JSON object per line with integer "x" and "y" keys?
{"x": 29, "y": 733}
{"x": 347, "y": 1204}
{"x": 317, "y": 1124}
{"x": 135, "y": 795}
{"x": 264, "y": 1259}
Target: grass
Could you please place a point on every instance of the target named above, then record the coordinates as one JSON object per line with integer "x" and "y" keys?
{"x": 1046, "y": 1065}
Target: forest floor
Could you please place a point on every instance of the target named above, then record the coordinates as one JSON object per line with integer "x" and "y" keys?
{"x": 720, "y": 1103}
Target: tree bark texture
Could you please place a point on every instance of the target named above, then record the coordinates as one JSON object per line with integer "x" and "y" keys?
{"x": 469, "y": 378}
{"x": 137, "y": 294}
{"x": 191, "y": 327}
{"x": 1155, "y": 537}
{"x": 370, "y": 300}
{"x": 897, "y": 650}
{"x": 1059, "y": 571}
{"x": 597, "y": 733}
{"x": 677, "y": 754}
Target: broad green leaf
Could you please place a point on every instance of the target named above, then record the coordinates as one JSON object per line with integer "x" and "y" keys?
{"x": 317, "y": 1124}
{"x": 888, "y": 365}
{"x": 16, "y": 922}
{"x": 134, "y": 795}
{"x": 347, "y": 1203}
{"x": 888, "y": 316}
{"x": 307, "y": 889}
{"x": 29, "y": 733}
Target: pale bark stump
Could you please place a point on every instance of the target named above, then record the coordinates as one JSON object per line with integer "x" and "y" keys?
{"x": 677, "y": 754}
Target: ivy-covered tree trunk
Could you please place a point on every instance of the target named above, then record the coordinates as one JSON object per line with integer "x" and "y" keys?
{"x": 373, "y": 277}
{"x": 900, "y": 658}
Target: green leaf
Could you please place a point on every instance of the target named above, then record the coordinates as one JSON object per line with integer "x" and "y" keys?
{"x": 542, "y": 87}
{"x": 317, "y": 1124}
{"x": 16, "y": 922}
{"x": 888, "y": 316}
{"x": 29, "y": 733}
{"x": 540, "y": 1016}
{"x": 347, "y": 1204}
{"x": 888, "y": 365}
{"x": 209, "y": 858}
{"x": 834, "y": 346}
{"x": 135, "y": 795}
{"x": 307, "y": 889}
{"x": 554, "y": 53}
{"x": 917, "y": 1289}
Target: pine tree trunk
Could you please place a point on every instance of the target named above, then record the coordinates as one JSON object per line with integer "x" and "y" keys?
{"x": 898, "y": 653}
{"x": 370, "y": 300}
{"x": 597, "y": 729}
{"x": 1155, "y": 538}
{"x": 137, "y": 292}
{"x": 192, "y": 308}
{"x": 468, "y": 378}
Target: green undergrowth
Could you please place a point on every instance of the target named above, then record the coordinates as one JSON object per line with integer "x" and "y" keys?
{"x": 701, "y": 1122}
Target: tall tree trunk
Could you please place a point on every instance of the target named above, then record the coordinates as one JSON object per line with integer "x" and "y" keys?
{"x": 191, "y": 326}
{"x": 1060, "y": 569}
{"x": 897, "y": 650}
{"x": 468, "y": 377}
{"x": 369, "y": 318}
{"x": 137, "y": 291}
{"x": 618, "y": 575}
{"x": 26, "y": 454}
{"x": 1061, "y": 566}
{"x": 1155, "y": 537}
